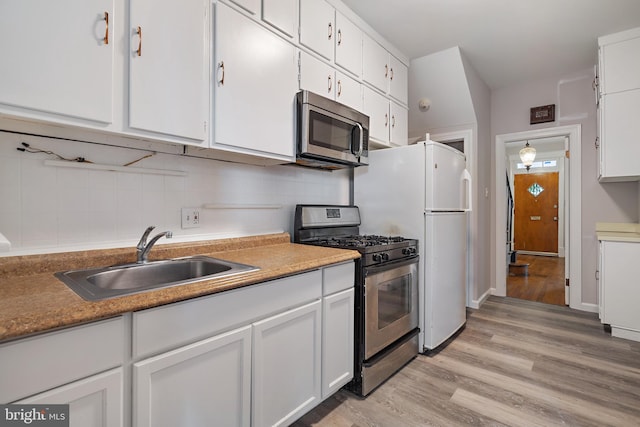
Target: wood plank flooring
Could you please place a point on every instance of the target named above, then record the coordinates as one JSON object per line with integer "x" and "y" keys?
{"x": 516, "y": 363}
{"x": 545, "y": 282}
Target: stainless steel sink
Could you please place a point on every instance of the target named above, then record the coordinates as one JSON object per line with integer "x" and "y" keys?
{"x": 108, "y": 282}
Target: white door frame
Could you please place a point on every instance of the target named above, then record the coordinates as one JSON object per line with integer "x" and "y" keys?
{"x": 574, "y": 242}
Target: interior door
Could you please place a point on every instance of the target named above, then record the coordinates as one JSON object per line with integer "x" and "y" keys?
{"x": 536, "y": 212}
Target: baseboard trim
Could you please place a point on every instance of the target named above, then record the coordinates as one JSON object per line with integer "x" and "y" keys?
{"x": 478, "y": 303}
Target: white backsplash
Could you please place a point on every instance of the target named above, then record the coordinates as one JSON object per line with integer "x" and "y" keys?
{"x": 48, "y": 209}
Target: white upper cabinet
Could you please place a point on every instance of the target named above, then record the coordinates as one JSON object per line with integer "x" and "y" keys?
{"x": 317, "y": 27}
{"x": 619, "y": 106}
{"x": 255, "y": 86}
{"x": 375, "y": 64}
{"x": 348, "y": 53}
{"x": 398, "y": 80}
{"x": 57, "y": 57}
{"x": 620, "y": 62}
{"x": 384, "y": 71}
{"x": 376, "y": 107}
{"x": 399, "y": 124}
{"x": 168, "y": 81}
{"x": 282, "y": 15}
{"x": 319, "y": 77}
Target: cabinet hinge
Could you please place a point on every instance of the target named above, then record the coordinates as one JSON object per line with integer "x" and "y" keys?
{"x": 205, "y": 125}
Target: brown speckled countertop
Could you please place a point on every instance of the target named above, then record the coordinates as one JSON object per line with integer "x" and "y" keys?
{"x": 32, "y": 300}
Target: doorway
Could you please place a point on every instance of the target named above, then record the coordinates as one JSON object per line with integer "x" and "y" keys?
{"x": 537, "y": 264}
{"x": 572, "y": 233}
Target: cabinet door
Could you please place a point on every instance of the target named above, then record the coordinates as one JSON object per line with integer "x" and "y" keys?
{"x": 398, "y": 80}
{"x": 375, "y": 64}
{"x": 376, "y": 107}
{"x": 621, "y": 66}
{"x": 348, "y": 45}
{"x": 399, "y": 124}
{"x": 207, "y": 383}
{"x": 621, "y": 293}
{"x": 348, "y": 91}
{"x": 286, "y": 365}
{"x": 337, "y": 341}
{"x": 256, "y": 84}
{"x": 317, "y": 76}
{"x": 317, "y": 27}
{"x": 620, "y": 130}
{"x": 168, "y": 67}
{"x": 93, "y": 402}
{"x": 282, "y": 14}
{"x": 55, "y": 58}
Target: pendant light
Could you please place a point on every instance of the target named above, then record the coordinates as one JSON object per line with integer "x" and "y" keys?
{"x": 527, "y": 155}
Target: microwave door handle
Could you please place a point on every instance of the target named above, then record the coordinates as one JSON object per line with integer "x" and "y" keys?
{"x": 359, "y": 153}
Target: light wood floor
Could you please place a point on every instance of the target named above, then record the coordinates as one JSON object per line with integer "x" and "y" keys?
{"x": 516, "y": 363}
{"x": 545, "y": 282}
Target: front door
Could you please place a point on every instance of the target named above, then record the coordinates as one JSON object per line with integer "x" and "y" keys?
{"x": 536, "y": 212}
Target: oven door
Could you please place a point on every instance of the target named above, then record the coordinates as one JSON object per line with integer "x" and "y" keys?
{"x": 390, "y": 303}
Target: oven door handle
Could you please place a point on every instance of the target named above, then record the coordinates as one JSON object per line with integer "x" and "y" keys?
{"x": 374, "y": 269}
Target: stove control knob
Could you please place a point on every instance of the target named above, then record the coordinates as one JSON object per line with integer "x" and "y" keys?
{"x": 377, "y": 257}
{"x": 385, "y": 256}
{"x": 408, "y": 251}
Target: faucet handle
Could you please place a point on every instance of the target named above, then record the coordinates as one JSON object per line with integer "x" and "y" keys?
{"x": 143, "y": 239}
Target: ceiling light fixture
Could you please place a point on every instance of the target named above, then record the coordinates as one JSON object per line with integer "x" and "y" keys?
{"x": 527, "y": 155}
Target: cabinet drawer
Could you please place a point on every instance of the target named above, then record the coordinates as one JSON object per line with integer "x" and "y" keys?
{"x": 163, "y": 328}
{"x": 338, "y": 278}
{"x": 39, "y": 363}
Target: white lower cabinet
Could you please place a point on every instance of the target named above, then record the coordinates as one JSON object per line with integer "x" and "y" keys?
{"x": 93, "y": 402}
{"x": 337, "y": 341}
{"x": 286, "y": 365}
{"x": 207, "y": 383}
{"x": 619, "y": 290}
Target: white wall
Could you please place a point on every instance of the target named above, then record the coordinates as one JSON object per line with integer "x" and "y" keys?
{"x": 460, "y": 104}
{"x": 481, "y": 101}
{"x": 46, "y": 209}
{"x": 575, "y": 104}
{"x": 441, "y": 78}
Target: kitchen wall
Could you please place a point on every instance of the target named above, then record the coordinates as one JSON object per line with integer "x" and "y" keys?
{"x": 459, "y": 102}
{"x": 575, "y": 104}
{"x": 47, "y": 209}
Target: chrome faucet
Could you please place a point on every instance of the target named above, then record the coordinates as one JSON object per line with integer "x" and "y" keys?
{"x": 143, "y": 247}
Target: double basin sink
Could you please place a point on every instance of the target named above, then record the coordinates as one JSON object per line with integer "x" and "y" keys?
{"x": 96, "y": 284}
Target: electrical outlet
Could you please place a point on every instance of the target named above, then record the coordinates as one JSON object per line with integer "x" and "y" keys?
{"x": 190, "y": 217}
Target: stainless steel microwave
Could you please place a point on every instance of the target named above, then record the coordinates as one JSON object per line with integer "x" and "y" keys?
{"x": 330, "y": 135}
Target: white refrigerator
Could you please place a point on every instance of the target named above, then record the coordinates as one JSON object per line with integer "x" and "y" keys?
{"x": 423, "y": 191}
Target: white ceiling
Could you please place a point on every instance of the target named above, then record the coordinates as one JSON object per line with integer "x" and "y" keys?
{"x": 507, "y": 41}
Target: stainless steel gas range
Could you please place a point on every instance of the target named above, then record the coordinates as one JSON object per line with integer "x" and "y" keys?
{"x": 386, "y": 290}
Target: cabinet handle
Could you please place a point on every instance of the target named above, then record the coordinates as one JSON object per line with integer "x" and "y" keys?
{"x": 386, "y": 119}
{"x": 139, "y": 33}
{"x": 221, "y": 73}
{"x": 106, "y": 31}
{"x": 386, "y": 71}
{"x": 391, "y": 73}
{"x": 330, "y": 30}
{"x": 339, "y": 87}
{"x": 393, "y": 120}
{"x": 339, "y": 37}
{"x": 597, "y": 142}
{"x": 329, "y": 84}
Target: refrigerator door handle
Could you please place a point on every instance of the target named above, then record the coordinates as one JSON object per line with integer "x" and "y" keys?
{"x": 466, "y": 178}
